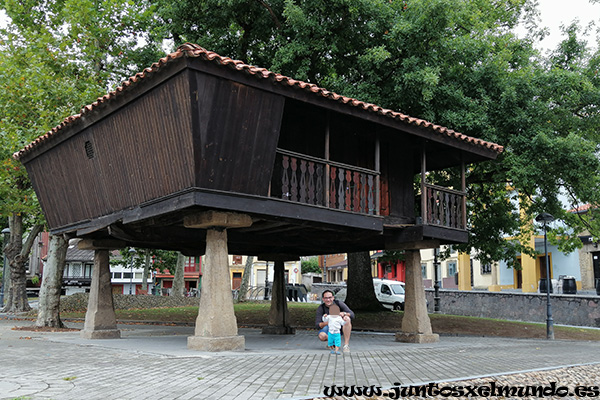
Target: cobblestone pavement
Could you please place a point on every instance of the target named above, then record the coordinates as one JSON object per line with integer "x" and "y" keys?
{"x": 153, "y": 362}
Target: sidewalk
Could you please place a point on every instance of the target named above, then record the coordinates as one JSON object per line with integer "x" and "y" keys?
{"x": 153, "y": 362}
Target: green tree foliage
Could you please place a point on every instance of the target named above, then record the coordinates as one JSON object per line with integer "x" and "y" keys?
{"x": 161, "y": 260}
{"x": 456, "y": 63}
{"x": 56, "y": 57}
{"x": 311, "y": 265}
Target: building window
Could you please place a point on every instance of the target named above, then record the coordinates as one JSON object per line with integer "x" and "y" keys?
{"x": 192, "y": 264}
{"x": 424, "y": 271}
{"x": 127, "y": 275}
{"x": 76, "y": 270}
{"x": 88, "y": 270}
{"x": 138, "y": 276}
{"x": 116, "y": 275}
{"x": 237, "y": 260}
{"x": 451, "y": 268}
{"x": 486, "y": 269}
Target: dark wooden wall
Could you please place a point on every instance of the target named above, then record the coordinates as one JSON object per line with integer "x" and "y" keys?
{"x": 236, "y": 129}
{"x": 140, "y": 152}
{"x": 397, "y": 170}
{"x": 303, "y": 129}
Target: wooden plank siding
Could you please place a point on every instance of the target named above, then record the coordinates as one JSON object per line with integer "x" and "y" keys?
{"x": 237, "y": 129}
{"x": 143, "y": 152}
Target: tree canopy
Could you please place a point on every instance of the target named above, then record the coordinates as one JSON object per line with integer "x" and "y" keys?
{"x": 456, "y": 63}
{"x": 56, "y": 57}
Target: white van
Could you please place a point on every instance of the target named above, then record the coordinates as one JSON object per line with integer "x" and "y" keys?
{"x": 389, "y": 293}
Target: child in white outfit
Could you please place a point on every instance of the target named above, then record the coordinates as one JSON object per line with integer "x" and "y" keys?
{"x": 335, "y": 323}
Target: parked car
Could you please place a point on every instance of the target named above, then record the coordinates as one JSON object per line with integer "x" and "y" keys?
{"x": 389, "y": 293}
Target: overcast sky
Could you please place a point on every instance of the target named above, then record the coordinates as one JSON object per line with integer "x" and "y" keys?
{"x": 555, "y": 13}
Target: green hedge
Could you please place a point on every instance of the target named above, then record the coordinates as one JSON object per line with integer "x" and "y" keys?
{"x": 79, "y": 301}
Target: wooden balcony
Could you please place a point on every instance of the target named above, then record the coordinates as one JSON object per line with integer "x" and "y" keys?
{"x": 315, "y": 181}
{"x": 310, "y": 180}
{"x": 444, "y": 207}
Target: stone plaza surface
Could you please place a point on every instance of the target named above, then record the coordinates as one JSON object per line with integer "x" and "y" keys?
{"x": 153, "y": 362}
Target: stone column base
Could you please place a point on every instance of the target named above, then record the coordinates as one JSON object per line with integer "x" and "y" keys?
{"x": 225, "y": 343}
{"x": 417, "y": 337}
{"x": 278, "y": 330}
{"x": 101, "y": 334}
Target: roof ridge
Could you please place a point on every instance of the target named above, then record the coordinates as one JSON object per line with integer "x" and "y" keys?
{"x": 197, "y": 51}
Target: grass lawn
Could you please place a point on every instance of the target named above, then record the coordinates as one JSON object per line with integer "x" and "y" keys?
{"x": 302, "y": 315}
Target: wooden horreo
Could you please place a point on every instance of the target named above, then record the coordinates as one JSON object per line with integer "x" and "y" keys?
{"x": 200, "y": 142}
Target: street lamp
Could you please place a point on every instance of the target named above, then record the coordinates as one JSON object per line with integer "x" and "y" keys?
{"x": 131, "y": 253}
{"x": 546, "y": 218}
{"x": 436, "y": 283}
{"x": 6, "y": 233}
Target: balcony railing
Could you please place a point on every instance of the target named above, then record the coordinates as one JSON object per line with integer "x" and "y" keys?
{"x": 443, "y": 207}
{"x": 311, "y": 180}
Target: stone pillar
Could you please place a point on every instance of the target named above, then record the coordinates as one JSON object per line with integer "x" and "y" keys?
{"x": 278, "y": 314}
{"x": 416, "y": 326}
{"x": 216, "y": 325}
{"x": 464, "y": 271}
{"x": 100, "y": 318}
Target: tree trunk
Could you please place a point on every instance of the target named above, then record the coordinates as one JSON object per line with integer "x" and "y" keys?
{"x": 361, "y": 293}
{"x": 178, "y": 289}
{"x": 49, "y": 306}
{"x": 147, "y": 260}
{"x": 243, "y": 293}
{"x": 17, "y": 253}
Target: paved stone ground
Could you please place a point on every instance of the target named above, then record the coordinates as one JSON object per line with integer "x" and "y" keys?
{"x": 153, "y": 362}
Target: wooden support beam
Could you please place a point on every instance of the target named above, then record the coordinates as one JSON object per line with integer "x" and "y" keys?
{"x": 278, "y": 257}
{"x": 101, "y": 244}
{"x": 217, "y": 219}
{"x": 423, "y": 244}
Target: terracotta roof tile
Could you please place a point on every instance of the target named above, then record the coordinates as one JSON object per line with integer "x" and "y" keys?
{"x": 193, "y": 50}
{"x": 581, "y": 209}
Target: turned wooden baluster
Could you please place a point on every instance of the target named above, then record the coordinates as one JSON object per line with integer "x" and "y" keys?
{"x": 294, "y": 183}
{"x": 320, "y": 194}
{"x": 311, "y": 182}
{"x": 341, "y": 189}
{"x": 303, "y": 181}
{"x": 356, "y": 192}
{"x": 333, "y": 173}
{"x": 430, "y": 210}
{"x": 363, "y": 193}
{"x": 348, "y": 191}
{"x": 285, "y": 179}
{"x": 371, "y": 199}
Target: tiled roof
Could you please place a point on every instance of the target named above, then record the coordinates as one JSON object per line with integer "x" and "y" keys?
{"x": 76, "y": 254}
{"x": 581, "y": 209}
{"x": 193, "y": 50}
